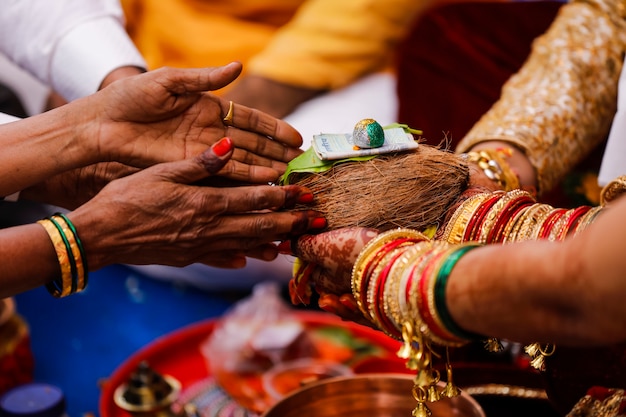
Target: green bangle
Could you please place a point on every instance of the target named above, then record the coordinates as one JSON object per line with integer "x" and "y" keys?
{"x": 79, "y": 244}
{"x": 441, "y": 281}
{"x": 70, "y": 256}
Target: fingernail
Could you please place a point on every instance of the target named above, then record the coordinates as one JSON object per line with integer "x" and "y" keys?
{"x": 327, "y": 308}
{"x": 223, "y": 146}
{"x": 348, "y": 302}
{"x": 284, "y": 247}
{"x": 305, "y": 198}
{"x": 318, "y": 223}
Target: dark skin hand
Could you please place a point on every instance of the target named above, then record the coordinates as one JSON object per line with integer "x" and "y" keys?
{"x": 138, "y": 121}
{"x": 176, "y": 119}
{"x": 158, "y": 216}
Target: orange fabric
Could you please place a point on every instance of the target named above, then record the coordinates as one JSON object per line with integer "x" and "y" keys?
{"x": 196, "y": 33}
{"x": 319, "y": 44}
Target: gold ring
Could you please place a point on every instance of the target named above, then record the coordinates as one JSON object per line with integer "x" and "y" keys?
{"x": 228, "y": 119}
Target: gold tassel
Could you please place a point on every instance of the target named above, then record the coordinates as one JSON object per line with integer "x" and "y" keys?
{"x": 532, "y": 350}
{"x": 423, "y": 378}
{"x": 421, "y": 409}
{"x": 538, "y": 354}
{"x": 433, "y": 393}
{"x": 493, "y": 345}
{"x": 407, "y": 338}
{"x": 450, "y": 390}
{"x": 538, "y": 362}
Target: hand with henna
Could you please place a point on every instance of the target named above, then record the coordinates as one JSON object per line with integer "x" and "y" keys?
{"x": 328, "y": 260}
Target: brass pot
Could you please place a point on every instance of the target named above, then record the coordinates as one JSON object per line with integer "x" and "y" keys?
{"x": 372, "y": 395}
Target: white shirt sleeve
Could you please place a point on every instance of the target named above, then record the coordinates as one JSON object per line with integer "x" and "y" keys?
{"x": 69, "y": 45}
{"x": 7, "y": 118}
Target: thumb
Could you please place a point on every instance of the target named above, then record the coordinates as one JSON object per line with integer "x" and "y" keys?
{"x": 198, "y": 80}
{"x": 210, "y": 162}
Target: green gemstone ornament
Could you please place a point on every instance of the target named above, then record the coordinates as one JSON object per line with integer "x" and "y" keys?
{"x": 368, "y": 133}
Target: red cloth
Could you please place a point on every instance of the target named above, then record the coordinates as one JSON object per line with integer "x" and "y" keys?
{"x": 452, "y": 66}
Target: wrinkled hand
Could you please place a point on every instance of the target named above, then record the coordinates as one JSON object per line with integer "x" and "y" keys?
{"x": 74, "y": 188}
{"x": 156, "y": 216}
{"x": 167, "y": 115}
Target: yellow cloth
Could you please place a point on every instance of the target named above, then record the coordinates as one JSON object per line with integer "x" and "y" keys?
{"x": 319, "y": 44}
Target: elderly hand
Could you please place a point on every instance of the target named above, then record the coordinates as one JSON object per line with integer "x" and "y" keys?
{"x": 167, "y": 115}
{"x": 158, "y": 216}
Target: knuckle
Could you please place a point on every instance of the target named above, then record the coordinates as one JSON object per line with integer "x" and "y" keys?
{"x": 264, "y": 226}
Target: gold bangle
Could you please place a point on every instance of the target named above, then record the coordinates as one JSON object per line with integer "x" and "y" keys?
{"x": 414, "y": 257}
{"x": 80, "y": 269}
{"x": 495, "y": 167}
{"x": 373, "y": 288}
{"x": 369, "y": 251}
{"x": 455, "y": 229}
{"x": 531, "y": 222}
{"x": 57, "y": 288}
{"x": 612, "y": 190}
{"x": 514, "y": 227}
{"x": 587, "y": 219}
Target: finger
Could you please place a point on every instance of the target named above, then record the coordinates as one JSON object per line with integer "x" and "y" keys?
{"x": 247, "y": 231}
{"x": 260, "y": 197}
{"x": 267, "y": 252}
{"x": 338, "y": 305}
{"x": 251, "y": 174}
{"x": 261, "y": 145}
{"x": 195, "y": 80}
{"x": 224, "y": 260}
{"x": 339, "y": 245}
{"x": 254, "y": 120}
{"x": 195, "y": 169}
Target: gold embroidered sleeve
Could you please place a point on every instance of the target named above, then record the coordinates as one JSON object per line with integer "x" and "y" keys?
{"x": 560, "y": 104}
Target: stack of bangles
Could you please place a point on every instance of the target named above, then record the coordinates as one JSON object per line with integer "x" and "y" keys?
{"x": 514, "y": 216}
{"x": 399, "y": 284}
{"x": 70, "y": 254}
{"x": 399, "y": 278}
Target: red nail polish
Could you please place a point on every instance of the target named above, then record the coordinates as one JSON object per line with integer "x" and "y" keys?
{"x": 348, "y": 303}
{"x": 318, "y": 223}
{"x": 327, "y": 308}
{"x": 305, "y": 198}
{"x": 284, "y": 247}
{"x": 223, "y": 146}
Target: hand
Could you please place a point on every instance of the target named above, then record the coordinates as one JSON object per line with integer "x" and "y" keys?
{"x": 327, "y": 260}
{"x": 74, "y": 188}
{"x": 167, "y": 115}
{"x": 269, "y": 96}
{"x": 156, "y": 216}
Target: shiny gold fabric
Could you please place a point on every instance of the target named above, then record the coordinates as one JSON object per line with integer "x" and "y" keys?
{"x": 560, "y": 104}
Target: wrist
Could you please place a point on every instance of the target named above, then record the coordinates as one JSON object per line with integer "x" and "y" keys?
{"x": 120, "y": 73}
{"x": 516, "y": 160}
